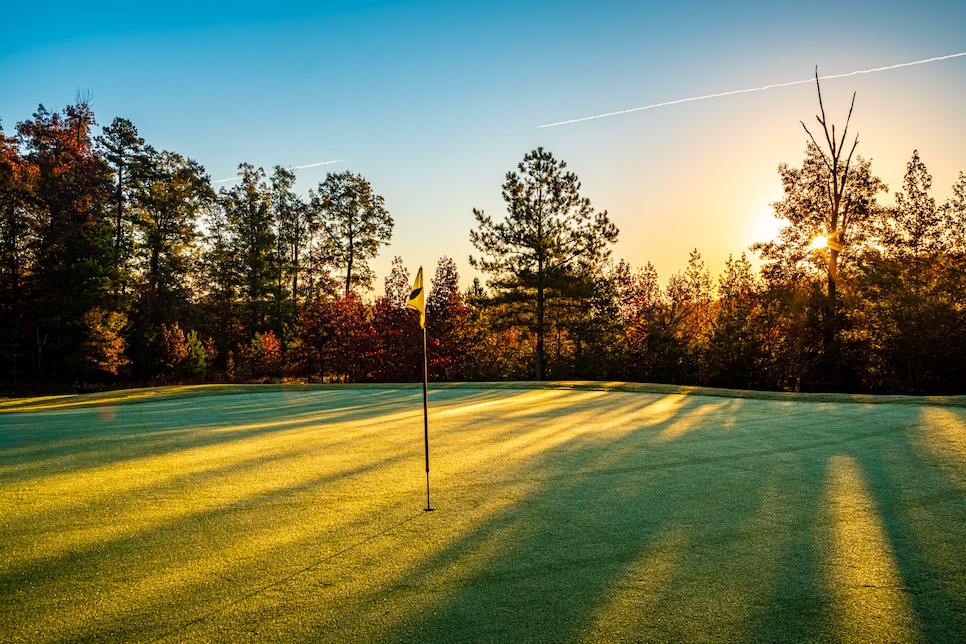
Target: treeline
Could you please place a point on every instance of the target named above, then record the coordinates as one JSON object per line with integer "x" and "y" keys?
{"x": 120, "y": 264}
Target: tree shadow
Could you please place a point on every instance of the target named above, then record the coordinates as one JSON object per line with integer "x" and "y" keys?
{"x": 560, "y": 516}
{"x": 137, "y": 505}
{"x": 711, "y": 535}
{"x": 41, "y": 443}
{"x": 915, "y": 481}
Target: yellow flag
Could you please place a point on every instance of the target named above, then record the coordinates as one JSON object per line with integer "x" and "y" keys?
{"x": 417, "y": 299}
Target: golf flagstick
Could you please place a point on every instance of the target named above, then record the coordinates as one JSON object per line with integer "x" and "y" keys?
{"x": 429, "y": 507}
{"x": 417, "y": 302}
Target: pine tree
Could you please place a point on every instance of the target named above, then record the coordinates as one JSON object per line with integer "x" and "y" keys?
{"x": 547, "y": 245}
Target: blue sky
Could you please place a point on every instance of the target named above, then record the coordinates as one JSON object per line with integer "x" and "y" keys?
{"x": 434, "y": 102}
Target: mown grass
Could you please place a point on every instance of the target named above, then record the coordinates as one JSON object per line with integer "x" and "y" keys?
{"x": 570, "y": 512}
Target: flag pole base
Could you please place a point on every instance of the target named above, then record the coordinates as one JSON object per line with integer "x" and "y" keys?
{"x": 429, "y": 510}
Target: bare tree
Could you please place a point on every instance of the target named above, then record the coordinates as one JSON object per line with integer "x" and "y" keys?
{"x": 837, "y": 182}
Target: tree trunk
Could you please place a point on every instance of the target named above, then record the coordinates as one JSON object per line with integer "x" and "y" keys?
{"x": 832, "y": 273}
{"x": 348, "y": 277}
{"x": 295, "y": 275}
{"x": 540, "y": 313}
{"x": 540, "y": 333}
{"x": 118, "y": 218}
{"x": 348, "y": 264}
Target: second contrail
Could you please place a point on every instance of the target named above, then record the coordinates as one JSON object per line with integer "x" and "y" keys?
{"x": 316, "y": 165}
{"x": 751, "y": 89}
{"x": 293, "y": 167}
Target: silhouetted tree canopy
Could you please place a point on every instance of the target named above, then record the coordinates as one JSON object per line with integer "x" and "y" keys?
{"x": 120, "y": 265}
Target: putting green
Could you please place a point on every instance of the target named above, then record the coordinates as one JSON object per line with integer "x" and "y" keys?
{"x": 570, "y": 512}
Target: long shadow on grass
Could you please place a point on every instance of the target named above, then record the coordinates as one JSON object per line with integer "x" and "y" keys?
{"x": 694, "y": 528}
{"x": 36, "y": 445}
{"x": 588, "y": 521}
{"x": 125, "y": 462}
{"x": 159, "y": 578}
{"x": 560, "y": 517}
{"x": 923, "y": 516}
{"x": 121, "y": 560}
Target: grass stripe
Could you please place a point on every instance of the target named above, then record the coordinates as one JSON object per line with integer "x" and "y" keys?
{"x": 570, "y": 512}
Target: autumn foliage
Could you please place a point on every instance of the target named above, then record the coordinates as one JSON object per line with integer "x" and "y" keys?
{"x": 121, "y": 265}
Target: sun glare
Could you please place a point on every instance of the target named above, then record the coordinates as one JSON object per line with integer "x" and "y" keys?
{"x": 819, "y": 242}
{"x": 765, "y": 226}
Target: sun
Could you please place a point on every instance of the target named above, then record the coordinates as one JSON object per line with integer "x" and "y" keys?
{"x": 819, "y": 242}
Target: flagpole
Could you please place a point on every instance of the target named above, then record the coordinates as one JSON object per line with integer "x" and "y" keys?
{"x": 429, "y": 507}
{"x": 417, "y": 302}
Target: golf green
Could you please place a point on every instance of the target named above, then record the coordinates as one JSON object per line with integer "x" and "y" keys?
{"x": 574, "y": 512}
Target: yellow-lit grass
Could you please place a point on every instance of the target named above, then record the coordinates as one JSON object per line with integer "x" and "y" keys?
{"x": 861, "y": 572}
{"x": 572, "y": 512}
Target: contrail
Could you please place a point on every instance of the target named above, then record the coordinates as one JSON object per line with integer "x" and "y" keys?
{"x": 315, "y": 165}
{"x": 752, "y": 89}
{"x": 293, "y": 167}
